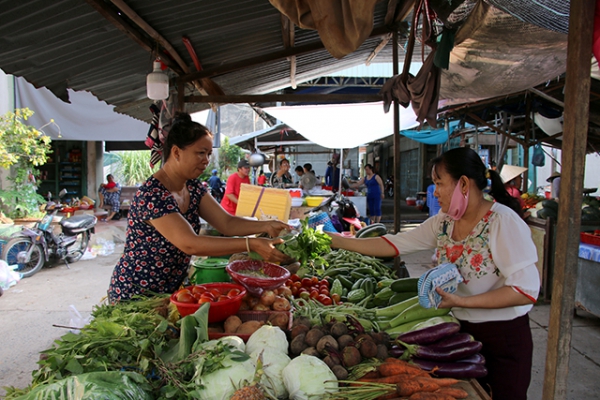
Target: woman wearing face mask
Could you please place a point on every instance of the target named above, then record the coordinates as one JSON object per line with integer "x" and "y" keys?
{"x": 492, "y": 247}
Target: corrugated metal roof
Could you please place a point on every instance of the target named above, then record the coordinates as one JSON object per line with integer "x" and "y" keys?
{"x": 67, "y": 43}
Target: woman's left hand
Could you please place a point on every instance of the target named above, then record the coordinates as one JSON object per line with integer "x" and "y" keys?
{"x": 449, "y": 300}
{"x": 266, "y": 249}
{"x": 274, "y": 228}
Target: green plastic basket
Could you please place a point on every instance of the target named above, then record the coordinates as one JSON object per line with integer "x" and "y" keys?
{"x": 210, "y": 270}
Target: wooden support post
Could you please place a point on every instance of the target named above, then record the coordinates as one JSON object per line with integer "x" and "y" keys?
{"x": 577, "y": 99}
{"x": 396, "y": 108}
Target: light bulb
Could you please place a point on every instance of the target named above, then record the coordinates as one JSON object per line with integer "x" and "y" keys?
{"x": 157, "y": 83}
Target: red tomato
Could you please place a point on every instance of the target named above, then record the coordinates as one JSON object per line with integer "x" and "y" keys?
{"x": 185, "y": 296}
{"x": 335, "y": 297}
{"x": 203, "y": 300}
{"x": 324, "y": 282}
{"x": 327, "y": 301}
{"x": 324, "y": 291}
{"x": 306, "y": 282}
{"x": 215, "y": 292}
{"x": 223, "y": 298}
{"x": 314, "y": 294}
{"x": 198, "y": 290}
{"x": 208, "y": 296}
{"x": 233, "y": 292}
{"x": 294, "y": 291}
{"x": 297, "y": 285}
{"x": 289, "y": 283}
{"x": 322, "y": 298}
{"x": 314, "y": 280}
{"x": 302, "y": 290}
{"x": 295, "y": 278}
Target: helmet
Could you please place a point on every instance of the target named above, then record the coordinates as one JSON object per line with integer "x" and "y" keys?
{"x": 214, "y": 171}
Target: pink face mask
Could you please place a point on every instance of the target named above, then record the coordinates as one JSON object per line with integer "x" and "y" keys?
{"x": 458, "y": 204}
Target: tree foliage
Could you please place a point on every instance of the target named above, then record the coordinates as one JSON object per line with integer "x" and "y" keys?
{"x": 22, "y": 148}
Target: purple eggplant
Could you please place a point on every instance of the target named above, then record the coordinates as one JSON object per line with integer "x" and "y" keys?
{"x": 476, "y": 358}
{"x": 458, "y": 370}
{"x": 454, "y": 340}
{"x": 430, "y": 334}
{"x": 395, "y": 351}
{"x": 441, "y": 353}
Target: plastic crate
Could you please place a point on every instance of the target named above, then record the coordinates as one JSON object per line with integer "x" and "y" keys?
{"x": 589, "y": 238}
{"x": 262, "y": 316}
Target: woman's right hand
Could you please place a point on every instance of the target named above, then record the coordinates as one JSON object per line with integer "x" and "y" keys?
{"x": 266, "y": 248}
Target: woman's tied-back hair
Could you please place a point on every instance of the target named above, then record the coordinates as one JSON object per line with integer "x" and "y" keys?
{"x": 183, "y": 133}
{"x": 465, "y": 161}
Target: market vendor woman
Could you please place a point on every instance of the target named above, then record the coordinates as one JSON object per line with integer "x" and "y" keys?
{"x": 492, "y": 247}
{"x": 164, "y": 220}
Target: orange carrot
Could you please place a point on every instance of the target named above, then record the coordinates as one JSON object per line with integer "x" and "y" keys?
{"x": 430, "y": 396}
{"x": 389, "y": 379}
{"x": 457, "y": 393}
{"x": 415, "y": 385}
{"x": 371, "y": 375}
{"x": 444, "y": 382}
{"x": 390, "y": 369}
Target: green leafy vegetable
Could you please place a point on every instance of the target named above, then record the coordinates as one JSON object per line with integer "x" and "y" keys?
{"x": 307, "y": 248}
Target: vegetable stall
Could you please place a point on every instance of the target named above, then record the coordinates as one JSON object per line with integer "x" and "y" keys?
{"x": 343, "y": 326}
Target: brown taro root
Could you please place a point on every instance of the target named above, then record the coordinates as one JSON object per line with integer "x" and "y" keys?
{"x": 345, "y": 340}
{"x": 340, "y": 372}
{"x": 232, "y": 323}
{"x": 302, "y": 321}
{"x": 298, "y": 329}
{"x": 351, "y": 356}
{"x": 313, "y": 336}
{"x": 338, "y": 329}
{"x": 298, "y": 344}
{"x": 326, "y": 341}
{"x": 331, "y": 361}
{"x": 368, "y": 349}
{"x": 382, "y": 351}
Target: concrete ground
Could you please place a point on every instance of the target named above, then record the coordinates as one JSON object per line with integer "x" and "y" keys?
{"x": 31, "y": 308}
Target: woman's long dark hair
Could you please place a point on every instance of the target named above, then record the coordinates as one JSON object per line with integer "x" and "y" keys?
{"x": 183, "y": 133}
{"x": 465, "y": 161}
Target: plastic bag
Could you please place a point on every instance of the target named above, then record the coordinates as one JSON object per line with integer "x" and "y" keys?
{"x": 77, "y": 320}
{"x": 445, "y": 276}
{"x": 538, "y": 159}
{"x": 8, "y": 277}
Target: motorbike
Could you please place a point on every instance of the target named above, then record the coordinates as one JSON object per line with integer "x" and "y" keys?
{"x": 218, "y": 194}
{"x": 389, "y": 187}
{"x": 31, "y": 248}
{"x": 341, "y": 211}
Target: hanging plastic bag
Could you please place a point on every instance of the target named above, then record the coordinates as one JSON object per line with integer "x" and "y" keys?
{"x": 8, "y": 277}
{"x": 538, "y": 159}
{"x": 77, "y": 320}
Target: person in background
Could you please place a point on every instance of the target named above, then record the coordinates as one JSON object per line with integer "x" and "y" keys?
{"x": 513, "y": 181}
{"x": 308, "y": 168}
{"x": 492, "y": 248}
{"x": 375, "y": 193}
{"x": 332, "y": 175}
{"x": 307, "y": 179}
{"x": 216, "y": 186}
{"x": 554, "y": 180}
{"x": 164, "y": 220}
{"x": 234, "y": 183}
{"x": 262, "y": 178}
{"x": 282, "y": 178}
{"x": 110, "y": 194}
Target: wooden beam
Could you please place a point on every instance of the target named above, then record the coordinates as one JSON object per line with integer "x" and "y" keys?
{"x": 480, "y": 121}
{"x": 123, "y": 25}
{"x": 277, "y": 55}
{"x": 287, "y": 34}
{"x": 272, "y": 98}
{"x": 379, "y": 47}
{"x": 204, "y": 86}
{"x": 547, "y": 97}
{"x": 576, "y": 120}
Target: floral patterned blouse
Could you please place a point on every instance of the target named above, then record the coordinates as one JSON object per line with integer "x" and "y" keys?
{"x": 149, "y": 261}
{"x": 498, "y": 252}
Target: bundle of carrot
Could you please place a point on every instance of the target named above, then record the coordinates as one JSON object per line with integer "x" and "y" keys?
{"x": 397, "y": 379}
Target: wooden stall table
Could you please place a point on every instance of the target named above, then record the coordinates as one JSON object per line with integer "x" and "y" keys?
{"x": 474, "y": 389}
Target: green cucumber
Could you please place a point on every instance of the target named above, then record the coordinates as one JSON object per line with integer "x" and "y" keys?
{"x": 399, "y": 297}
{"x": 368, "y": 286}
{"x": 347, "y": 283}
{"x": 405, "y": 285}
{"x": 357, "y": 275}
{"x": 357, "y": 284}
{"x": 335, "y": 271}
{"x": 396, "y": 309}
{"x": 356, "y": 295}
{"x": 385, "y": 294}
{"x": 416, "y": 311}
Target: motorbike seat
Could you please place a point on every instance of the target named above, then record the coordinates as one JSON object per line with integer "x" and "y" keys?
{"x": 78, "y": 221}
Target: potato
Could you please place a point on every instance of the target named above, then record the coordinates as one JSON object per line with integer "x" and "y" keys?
{"x": 232, "y": 323}
{"x": 279, "y": 319}
{"x": 248, "y": 327}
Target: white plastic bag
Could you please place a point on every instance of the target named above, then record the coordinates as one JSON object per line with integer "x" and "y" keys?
{"x": 8, "y": 277}
{"x": 77, "y": 320}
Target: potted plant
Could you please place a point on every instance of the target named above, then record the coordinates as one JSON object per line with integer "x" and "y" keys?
{"x": 22, "y": 149}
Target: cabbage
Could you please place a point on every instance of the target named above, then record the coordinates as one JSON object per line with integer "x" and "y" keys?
{"x": 306, "y": 377}
{"x": 273, "y": 364}
{"x": 267, "y": 337}
{"x": 222, "y": 383}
